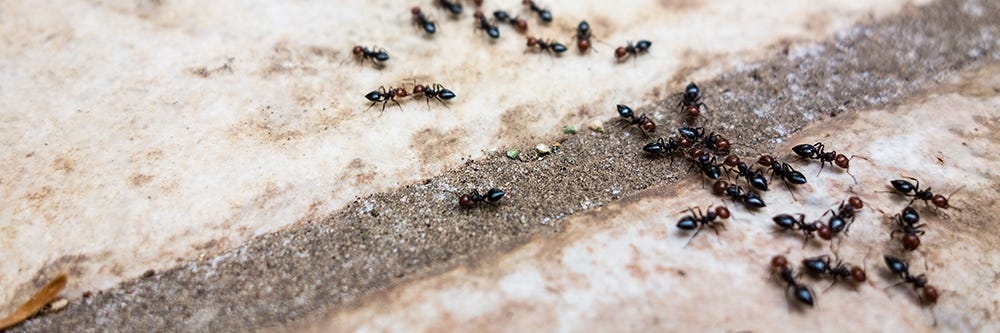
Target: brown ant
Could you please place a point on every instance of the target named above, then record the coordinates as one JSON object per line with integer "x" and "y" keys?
{"x": 789, "y": 222}
{"x": 661, "y": 147}
{"x": 925, "y": 292}
{"x": 907, "y": 188}
{"x": 485, "y": 25}
{"x": 623, "y": 52}
{"x": 547, "y": 46}
{"x": 816, "y": 151}
{"x": 518, "y": 23}
{"x": 698, "y": 220}
{"x": 821, "y": 266}
{"x": 454, "y": 7}
{"x": 750, "y": 199}
{"x": 691, "y": 101}
{"x": 385, "y": 95}
{"x": 800, "y": 292}
{"x": 544, "y": 14}
{"x": 907, "y": 224}
{"x": 838, "y": 222}
{"x": 377, "y": 57}
{"x": 435, "y": 91}
{"x": 420, "y": 19}
{"x": 645, "y": 123}
{"x": 473, "y": 198}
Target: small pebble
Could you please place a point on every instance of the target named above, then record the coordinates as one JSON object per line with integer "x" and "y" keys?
{"x": 597, "y": 126}
{"x": 543, "y": 149}
{"x": 571, "y": 129}
{"x": 59, "y": 304}
{"x": 513, "y": 154}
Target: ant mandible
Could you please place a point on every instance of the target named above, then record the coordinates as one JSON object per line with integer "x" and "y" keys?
{"x": 838, "y": 222}
{"x": 628, "y": 116}
{"x": 750, "y": 200}
{"x": 698, "y": 220}
{"x": 691, "y": 101}
{"x": 484, "y": 24}
{"x": 802, "y": 293}
{"x": 839, "y": 271}
{"x": 454, "y": 7}
{"x": 623, "y": 52}
{"x": 925, "y": 292}
{"x": 468, "y": 200}
{"x": 547, "y": 46}
{"x": 789, "y": 222}
{"x": 816, "y": 151}
{"x": 385, "y": 95}
{"x": 907, "y": 224}
{"x": 544, "y": 14}
{"x": 909, "y": 189}
{"x": 436, "y": 91}
{"x": 377, "y": 57}
{"x": 420, "y": 19}
{"x": 518, "y": 23}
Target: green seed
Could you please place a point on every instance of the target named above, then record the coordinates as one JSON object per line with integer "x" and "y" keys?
{"x": 513, "y": 154}
{"x": 571, "y": 129}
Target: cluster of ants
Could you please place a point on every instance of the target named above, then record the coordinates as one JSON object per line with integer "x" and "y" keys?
{"x": 428, "y": 92}
{"x": 703, "y": 151}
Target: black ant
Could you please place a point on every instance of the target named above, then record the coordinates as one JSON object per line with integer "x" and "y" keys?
{"x": 420, "y": 19}
{"x": 755, "y": 178}
{"x": 484, "y": 24}
{"x": 547, "y": 46}
{"x": 706, "y": 163}
{"x": 789, "y": 222}
{"x": 838, "y": 271}
{"x": 583, "y": 36}
{"x": 712, "y": 140}
{"x": 518, "y": 23}
{"x": 377, "y": 57}
{"x": 435, "y": 91}
{"x": 838, "y": 222}
{"x": 661, "y": 147}
{"x": 816, "y": 151}
{"x": 645, "y": 123}
{"x": 907, "y": 224}
{"x": 698, "y": 220}
{"x": 801, "y": 292}
{"x": 784, "y": 171}
{"x": 907, "y": 188}
{"x": 544, "y": 14}
{"x": 623, "y": 52}
{"x": 454, "y": 7}
{"x": 925, "y": 292}
{"x": 749, "y": 199}
{"x": 385, "y": 95}
{"x": 691, "y": 101}
{"x": 492, "y": 195}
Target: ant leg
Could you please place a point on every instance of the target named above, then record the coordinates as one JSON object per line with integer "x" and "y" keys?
{"x": 831, "y": 285}
{"x": 692, "y": 237}
{"x": 397, "y": 105}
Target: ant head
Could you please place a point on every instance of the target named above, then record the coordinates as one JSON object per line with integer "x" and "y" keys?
{"x": 465, "y": 201}
{"x": 479, "y": 15}
{"x": 722, "y": 212}
{"x": 824, "y": 232}
{"x": 940, "y": 201}
{"x": 532, "y": 41}
{"x": 620, "y": 52}
{"x": 720, "y": 187}
{"x": 779, "y": 261}
{"x": 649, "y": 126}
{"x": 765, "y": 160}
{"x": 685, "y": 142}
{"x": 858, "y": 274}
{"x": 583, "y": 45}
{"x": 722, "y": 144}
{"x": 692, "y": 110}
{"x": 526, "y": 2}
{"x": 520, "y": 24}
{"x": 400, "y": 92}
{"x": 415, "y": 10}
{"x": 842, "y": 161}
{"x": 734, "y": 161}
{"x": 929, "y": 294}
{"x": 358, "y": 50}
{"x": 855, "y": 202}
{"x": 418, "y": 89}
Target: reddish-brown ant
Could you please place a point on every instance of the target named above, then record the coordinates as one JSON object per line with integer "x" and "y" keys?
{"x": 377, "y": 57}
{"x": 547, "y": 46}
{"x": 484, "y": 24}
{"x": 642, "y": 121}
{"x": 801, "y": 293}
{"x": 909, "y": 189}
{"x": 750, "y": 199}
{"x": 691, "y": 101}
{"x": 420, "y": 19}
{"x": 907, "y": 224}
{"x": 385, "y": 95}
{"x": 544, "y": 14}
{"x": 518, "y": 23}
{"x": 789, "y": 222}
{"x": 455, "y": 8}
{"x": 435, "y": 91}
{"x": 816, "y": 151}
{"x": 925, "y": 292}
{"x": 698, "y": 220}
{"x": 473, "y": 198}
{"x": 821, "y": 266}
{"x": 623, "y": 52}
{"x": 841, "y": 220}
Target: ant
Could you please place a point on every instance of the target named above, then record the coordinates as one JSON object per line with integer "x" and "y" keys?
{"x": 698, "y": 220}
{"x": 906, "y": 224}
{"x": 712, "y": 140}
{"x": 485, "y": 25}
{"x": 385, "y": 95}
{"x": 661, "y": 147}
{"x": 583, "y": 36}
{"x": 925, "y": 292}
{"x": 905, "y": 188}
{"x": 544, "y": 14}
{"x": 816, "y": 151}
{"x": 547, "y": 46}
{"x": 706, "y": 163}
{"x": 784, "y": 171}
{"x": 821, "y": 266}
{"x": 477, "y": 3}
{"x": 789, "y": 222}
{"x": 645, "y": 123}
{"x": 377, "y": 57}
{"x": 691, "y": 101}
{"x": 623, "y": 52}
{"x": 420, "y": 19}
{"x": 754, "y": 178}
{"x": 839, "y": 220}
{"x": 518, "y": 23}
{"x": 454, "y": 7}
{"x": 801, "y": 292}
{"x": 749, "y": 199}
{"x": 436, "y": 91}
{"x": 492, "y": 195}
